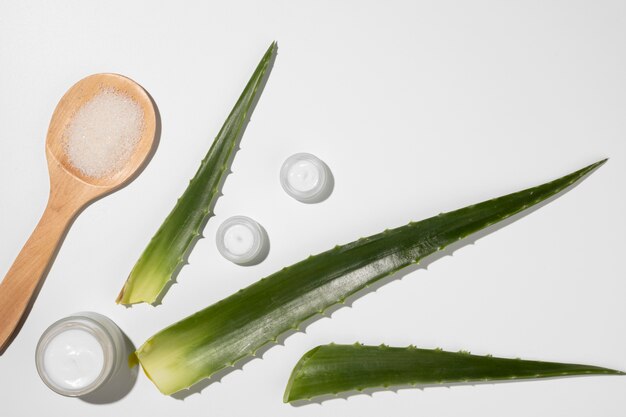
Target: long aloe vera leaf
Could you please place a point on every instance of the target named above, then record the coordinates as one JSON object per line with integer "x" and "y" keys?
{"x": 332, "y": 369}
{"x": 168, "y": 248}
{"x": 235, "y": 327}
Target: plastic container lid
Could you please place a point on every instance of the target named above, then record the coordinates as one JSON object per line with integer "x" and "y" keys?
{"x": 306, "y": 178}
{"x": 242, "y": 240}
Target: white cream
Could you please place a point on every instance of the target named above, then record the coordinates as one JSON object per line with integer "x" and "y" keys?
{"x": 303, "y": 175}
{"x": 242, "y": 240}
{"x": 306, "y": 178}
{"x": 73, "y": 359}
{"x": 239, "y": 239}
{"x": 79, "y": 353}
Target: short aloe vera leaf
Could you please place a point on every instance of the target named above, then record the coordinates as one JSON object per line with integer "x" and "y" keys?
{"x": 333, "y": 369}
{"x": 235, "y": 327}
{"x": 168, "y": 248}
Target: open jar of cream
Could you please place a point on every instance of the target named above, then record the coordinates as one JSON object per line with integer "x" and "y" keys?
{"x": 242, "y": 240}
{"x": 80, "y": 353}
{"x": 306, "y": 178}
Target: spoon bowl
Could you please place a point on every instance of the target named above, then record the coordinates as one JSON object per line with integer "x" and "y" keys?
{"x": 79, "y": 94}
{"x": 70, "y": 191}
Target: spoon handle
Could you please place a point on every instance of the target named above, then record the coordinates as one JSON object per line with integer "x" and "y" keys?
{"x": 21, "y": 284}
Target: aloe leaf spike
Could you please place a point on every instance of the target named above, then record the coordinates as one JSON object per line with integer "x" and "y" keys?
{"x": 333, "y": 369}
{"x": 235, "y": 327}
{"x": 169, "y": 247}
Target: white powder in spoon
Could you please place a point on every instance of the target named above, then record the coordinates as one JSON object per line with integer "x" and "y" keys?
{"x": 103, "y": 133}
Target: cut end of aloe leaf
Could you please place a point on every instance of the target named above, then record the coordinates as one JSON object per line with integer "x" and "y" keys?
{"x": 333, "y": 369}
{"x": 166, "y": 252}
{"x": 132, "y": 360}
{"x": 137, "y": 291}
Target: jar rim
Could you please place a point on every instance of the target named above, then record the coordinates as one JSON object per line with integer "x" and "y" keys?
{"x": 91, "y": 326}
{"x": 258, "y": 244}
{"x": 312, "y": 195}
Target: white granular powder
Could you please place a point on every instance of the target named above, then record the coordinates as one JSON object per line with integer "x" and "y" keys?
{"x": 103, "y": 133}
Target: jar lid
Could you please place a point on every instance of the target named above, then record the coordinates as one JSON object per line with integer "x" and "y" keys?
{"x": 306, "y": 178}
{"x": 242, "y": 240}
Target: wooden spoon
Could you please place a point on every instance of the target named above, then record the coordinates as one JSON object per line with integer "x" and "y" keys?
{"x": 70, "y": 192}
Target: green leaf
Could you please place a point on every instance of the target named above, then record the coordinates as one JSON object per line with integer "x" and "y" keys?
{"x": 235, "y": 327}
{"x": 168, "y": 248}
{"x": 332, "y": 369}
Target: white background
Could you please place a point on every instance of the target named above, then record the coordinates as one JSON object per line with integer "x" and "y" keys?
{"x": 417, "y": 107}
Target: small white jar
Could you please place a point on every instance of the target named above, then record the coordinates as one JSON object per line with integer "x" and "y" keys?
{"x": 306, "y": 178}
{"x": 242, "y": 240}
{"x": 79, "y": 353}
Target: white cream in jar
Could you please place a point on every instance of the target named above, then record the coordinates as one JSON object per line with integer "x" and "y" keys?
{"x": 242, "y": 240}
{"x": 73, "y": 359}
{"x": 80, "y": 353}
{"x": 306, "y": 178}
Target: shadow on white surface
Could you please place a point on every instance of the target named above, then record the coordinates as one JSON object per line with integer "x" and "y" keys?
{"x": 424, "y": 264}
{"x": 119, "y": 385}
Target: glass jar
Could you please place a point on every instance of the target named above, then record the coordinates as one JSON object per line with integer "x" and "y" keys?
{"x": 306, "y": 178}
{"x": 242, "y": 240}
{"x": 78, "y": 354}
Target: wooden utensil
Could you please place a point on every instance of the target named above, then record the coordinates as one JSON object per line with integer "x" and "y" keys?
{"x": 70, "y": 192}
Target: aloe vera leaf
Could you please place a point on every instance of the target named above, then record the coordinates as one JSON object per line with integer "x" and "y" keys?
{"x": 168, "y": 248}
{"x": 332, "y": 369}
{"x": 235, "y": 327}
